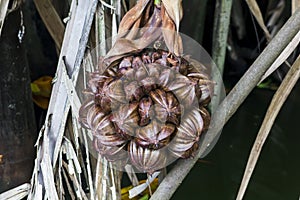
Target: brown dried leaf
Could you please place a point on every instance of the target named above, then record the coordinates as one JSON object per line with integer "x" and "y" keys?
{"x": 124, "y": 47}
{"x": 153, "y": 24}
{"x": 175, "y": 11}
{"x": 133, "y": 15}
{"x": 135, "y": 30}
{"x": 121, "y": 48}
{"x": 258, "y": 16}
{"x": 137, "y": 39}
{"x": 171, "y": 37}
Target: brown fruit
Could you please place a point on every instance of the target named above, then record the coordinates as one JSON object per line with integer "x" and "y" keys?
{"x": 148, "y": 103}
{"x": 145, "y": 159}
{"x": 155, "y": 135}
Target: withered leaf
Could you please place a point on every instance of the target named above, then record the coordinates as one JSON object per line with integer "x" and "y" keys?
{"x": 174, "y": 9}
{"x": 171, "y": 36}
{"x": 133, "y": 15}
{"x": 258, "y": 16}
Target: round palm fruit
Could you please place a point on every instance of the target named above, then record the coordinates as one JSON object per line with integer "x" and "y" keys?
{"x": 148, "y": 106}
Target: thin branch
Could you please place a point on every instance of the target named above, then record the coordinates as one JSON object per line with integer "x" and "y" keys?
{"x": 231, "y": 103}
{"x": 277, "y": 102}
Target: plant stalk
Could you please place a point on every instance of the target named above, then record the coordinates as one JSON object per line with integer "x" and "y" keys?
{"x": 220, "y": 33}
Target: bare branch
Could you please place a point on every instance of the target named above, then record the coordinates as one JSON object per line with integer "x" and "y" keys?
{"x": 231, "y": 103}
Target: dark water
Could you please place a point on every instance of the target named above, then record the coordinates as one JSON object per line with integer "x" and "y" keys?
{"x": 277, "y": 174}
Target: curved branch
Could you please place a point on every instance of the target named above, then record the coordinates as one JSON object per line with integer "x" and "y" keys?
{"x": 232, "y": 102}
{"x": 278, "y": 100}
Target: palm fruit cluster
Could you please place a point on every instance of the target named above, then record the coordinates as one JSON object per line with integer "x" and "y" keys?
{"x": 148, "y": 106}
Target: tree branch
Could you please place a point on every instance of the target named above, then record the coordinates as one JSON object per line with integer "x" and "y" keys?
{"x": 278, "y": 100}
{"x": 231, "y": 103}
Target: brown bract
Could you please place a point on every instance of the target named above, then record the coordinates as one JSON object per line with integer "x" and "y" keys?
{"x": 144, "y": 24}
